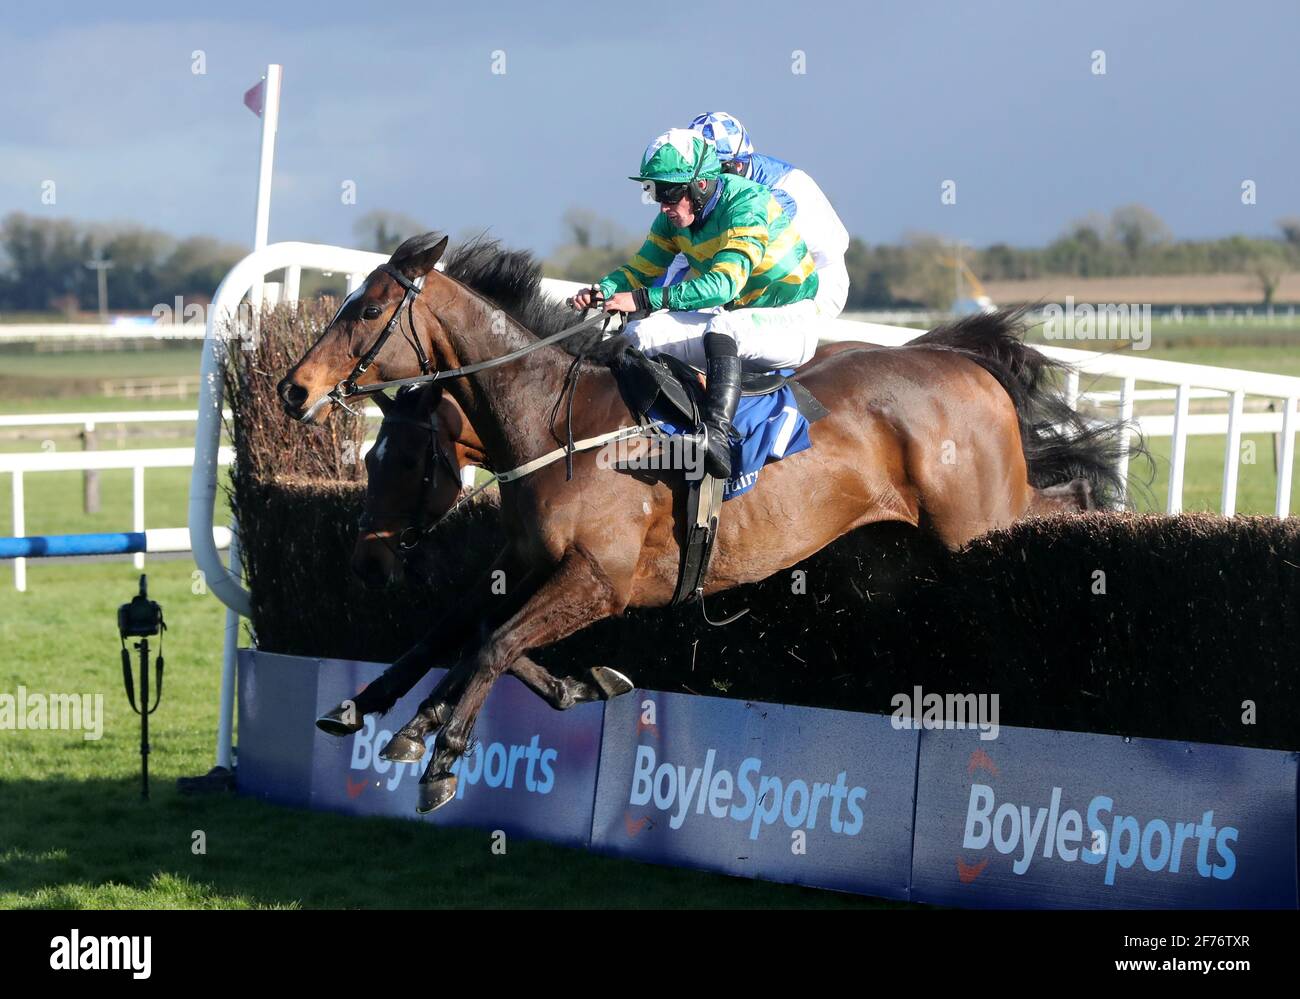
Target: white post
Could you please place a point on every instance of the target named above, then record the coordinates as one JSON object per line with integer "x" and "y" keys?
{"x": 1125, "y": 414}
{"x": 20, "y": 564}
{"x": 292, "y": 282}
{"x": 1287, "y": 466}
{"x": 229, "y": 656}
{"x": 1232, "y": 456}
{"x": 1072, "y": 389}
{"x": 270, "y": 121}
{"x": 137, "y": 501}
{"x": 1178, "y": 457}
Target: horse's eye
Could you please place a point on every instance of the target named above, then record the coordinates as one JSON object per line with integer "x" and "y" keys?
{"x": 371, "y": 312}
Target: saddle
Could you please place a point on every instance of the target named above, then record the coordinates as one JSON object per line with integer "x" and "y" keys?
{"x": 665, "y": 381}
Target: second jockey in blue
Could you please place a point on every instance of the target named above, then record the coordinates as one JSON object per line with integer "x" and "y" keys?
{"x": 823, "y": 232}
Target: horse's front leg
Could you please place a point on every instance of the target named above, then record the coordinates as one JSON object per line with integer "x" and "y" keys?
{"x": 440, "y": 643}
{"x": 576, "y": 594}
{"x": 560, "y": 692}
{"x": 408, "y": 744}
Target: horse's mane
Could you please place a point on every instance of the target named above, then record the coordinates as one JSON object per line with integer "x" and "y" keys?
{"x": 511, "y": 280}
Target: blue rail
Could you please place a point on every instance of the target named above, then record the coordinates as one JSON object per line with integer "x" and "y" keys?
{"x": 48, "y": 545}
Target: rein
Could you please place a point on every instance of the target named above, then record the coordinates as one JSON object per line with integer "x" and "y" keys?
{"x": 348, "y": 387}
{"x": 527, "y": 468}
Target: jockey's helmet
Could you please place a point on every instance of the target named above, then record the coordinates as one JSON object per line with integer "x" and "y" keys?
{"x": 727, "y": 135}
{"x": 674, "y": 161}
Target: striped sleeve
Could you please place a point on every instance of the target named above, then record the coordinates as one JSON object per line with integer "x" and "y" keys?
{"x": 651, "y": 261}
{"x": 727, "y": 274}
{"x": 739, "y": 249}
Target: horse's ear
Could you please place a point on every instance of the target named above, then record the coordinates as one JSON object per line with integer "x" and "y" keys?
{"x": 430, "y": 396}
{"x": 384, "y": 403}
{"x": 417, "y": 265}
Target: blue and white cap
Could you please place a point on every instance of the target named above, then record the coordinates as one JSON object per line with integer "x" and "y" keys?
{"x": 726, "y": 133}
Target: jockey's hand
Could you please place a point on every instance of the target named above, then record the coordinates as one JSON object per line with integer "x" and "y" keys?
{"x": 583, "y": 299}
{"x": 622, "y": 302}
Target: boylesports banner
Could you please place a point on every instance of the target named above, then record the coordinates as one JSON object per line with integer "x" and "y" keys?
{"x": 832, "y": 799}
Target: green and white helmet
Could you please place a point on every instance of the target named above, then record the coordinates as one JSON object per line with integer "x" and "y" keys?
{"x": 679, "y": 156}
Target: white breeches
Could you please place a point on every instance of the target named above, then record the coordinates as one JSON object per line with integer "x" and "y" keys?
{"x": 783, "y": 336}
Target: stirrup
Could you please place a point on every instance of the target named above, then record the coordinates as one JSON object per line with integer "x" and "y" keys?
{"x": 703, "y": 438}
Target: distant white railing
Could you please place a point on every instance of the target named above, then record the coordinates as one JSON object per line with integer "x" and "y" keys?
{"x": 1186, "y": 378}
{"x": 37, "y": 332}
{"x": 90, "y": 420}
{"x": 19, "y": 464}
{"x": 136, "y": 459}
{"x": 1236, "y": 384}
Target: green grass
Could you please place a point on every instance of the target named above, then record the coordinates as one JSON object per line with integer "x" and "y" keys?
{"x": 1203, "y": 478}
{"x": 1275, "y": 348}
{"x": 150, "y": 360}
{"x": 75, "y": 834}
{"x": 12, "y": 401}
{"x": 68, "y": 381}
{"x": 1250, "y": 357}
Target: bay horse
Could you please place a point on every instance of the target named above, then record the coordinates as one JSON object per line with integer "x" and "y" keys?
{"x": 961, "y": 431}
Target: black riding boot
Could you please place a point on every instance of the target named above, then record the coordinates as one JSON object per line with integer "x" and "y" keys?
{"x": 723, "y": 395}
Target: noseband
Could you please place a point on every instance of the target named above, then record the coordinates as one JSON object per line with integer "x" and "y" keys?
{"x": 348, "y": 386}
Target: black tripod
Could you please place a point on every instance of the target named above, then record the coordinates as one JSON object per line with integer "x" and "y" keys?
{"x": 142, "y": 618}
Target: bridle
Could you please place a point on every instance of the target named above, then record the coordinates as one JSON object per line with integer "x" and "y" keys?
{"x": 411, "y": 536}
{"x": 348, "y": 386}
{"x": 415, "y": 531}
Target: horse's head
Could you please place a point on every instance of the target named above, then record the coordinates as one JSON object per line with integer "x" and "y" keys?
{"x": 369, "y": 339}
{"x": 412, "y": 478}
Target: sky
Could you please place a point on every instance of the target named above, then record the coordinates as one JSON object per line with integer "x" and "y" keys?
{"x": 502, "y": 115}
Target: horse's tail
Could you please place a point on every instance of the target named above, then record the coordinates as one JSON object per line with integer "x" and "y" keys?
{"x": 1059, "y": 444}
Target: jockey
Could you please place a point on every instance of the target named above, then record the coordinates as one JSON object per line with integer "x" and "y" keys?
{"x": 751, "y": 292}
{"x": 798, "y": 194}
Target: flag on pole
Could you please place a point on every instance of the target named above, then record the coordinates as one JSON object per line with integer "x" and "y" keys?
{"x": 255, "y": 97}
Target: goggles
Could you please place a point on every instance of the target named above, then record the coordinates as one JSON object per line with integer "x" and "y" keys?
{"x": 666, "y": 194}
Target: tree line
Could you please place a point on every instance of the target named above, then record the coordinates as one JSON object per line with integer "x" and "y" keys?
{"x": 43, "y": 265}
{"x": 919, "y": 271}
{"x": 43, "y": 262}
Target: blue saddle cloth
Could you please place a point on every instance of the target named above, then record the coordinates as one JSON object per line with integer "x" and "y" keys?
{"x": 769, "y": 428}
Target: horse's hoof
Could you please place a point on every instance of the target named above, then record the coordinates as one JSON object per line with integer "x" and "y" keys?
{"x": 611, "y": 682}
{"x": 436, "y": 793}
{"x": 402, "y": 749}
{"x": 336, "y": 721}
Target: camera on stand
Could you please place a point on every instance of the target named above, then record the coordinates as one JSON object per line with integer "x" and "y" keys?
{"x": 142, "y": 618}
